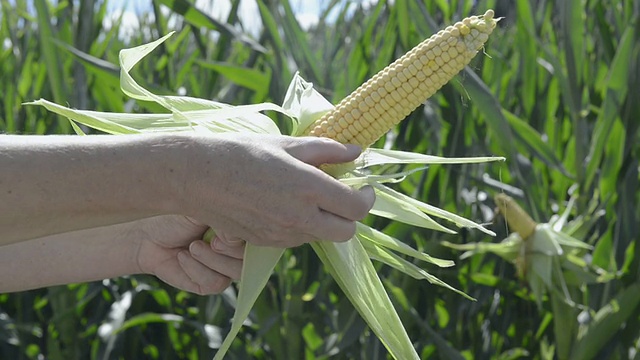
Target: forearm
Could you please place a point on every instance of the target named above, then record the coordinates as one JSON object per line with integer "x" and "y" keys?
{"x": 56, "y": 184}
{"x": 78, "y": 256}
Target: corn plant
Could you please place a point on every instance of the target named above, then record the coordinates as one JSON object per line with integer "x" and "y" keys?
{"x": 554, "y": 97}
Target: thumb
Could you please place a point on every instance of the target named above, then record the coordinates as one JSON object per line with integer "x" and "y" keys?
{"x": 317, "y": 151}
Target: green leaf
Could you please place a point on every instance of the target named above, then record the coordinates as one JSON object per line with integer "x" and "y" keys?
{"x": 533, "y": 141}
{"x": 508, "y": 249}
{"x": 388, "y": 206}
{"x": 350, "y": 266}
{"x": 401, "y": 11}
{"x": 195, "y": 17}
{"x": 148, "y": 318}
{"x": 385, "y": 256}
{"x": 87, "y": 118}
{"x": 257, "y": 268}
{"x": 253, "y": 79}
{"x": 366, "y": 234}
{"x": 606, "y": 323}
{"x": 408, "y": 202}
{"x": 48, "y": 51}
{"x": 375, "y": 156}
{"x": 615, "y": 93}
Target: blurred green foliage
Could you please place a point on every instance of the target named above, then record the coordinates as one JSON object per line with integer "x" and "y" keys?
{"x": 556, "y": 94}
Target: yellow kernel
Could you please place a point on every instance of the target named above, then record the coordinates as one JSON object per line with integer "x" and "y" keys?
{"x": 392, "y": 113}
{"x": 384, "y": 102}
{"x": 413, "y": 101}
{"x": 401, "y": 94}
{"x": 445, "y": 56}
{"x": 488, "y": 15}
{"x": 388, "y": 86}
{"x": 401, "y": 77}
{"x": 464, "y": 30}
{"x": 407, "y": 87}
{"x": 374, "y": 97}
{"x": 412, "y": 70}
{"x": 363, "y": 106}
{"x": 407, "y": 74}
{"x": 369, "y": 101}
{"x": 373, "y": 112}
{"x": 429, "y": 70}
{"x": 396, "y": 82}
{"x": 351, "y": 131}
{"x": 348, "y": 118}
{"x": 341, "y": 138}
{"x": 369, "y": 118}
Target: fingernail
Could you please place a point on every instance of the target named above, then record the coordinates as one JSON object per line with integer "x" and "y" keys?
{"x": 197, "y": 248}
{"x": 182, "y": 256}
{"x": 353, "y": 148}
{"x": 370, "y": 194}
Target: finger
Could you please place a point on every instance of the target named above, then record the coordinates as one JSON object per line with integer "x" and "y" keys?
{"x": 317, "y": 151}
{"x": 230, "y": 247}
{"x": 334, "y": 228}
{"x": 223, "y": 264}
{"x": 173, "y": 274}
{"x": 208, "y": 280}
{"x": 347, "y": 202}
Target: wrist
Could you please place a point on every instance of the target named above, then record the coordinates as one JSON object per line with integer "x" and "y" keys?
{"x": 200, "y": 169}
{"x": 170, "y": 155}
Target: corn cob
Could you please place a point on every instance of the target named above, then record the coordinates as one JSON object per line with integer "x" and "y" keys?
{"x": 392, "y": 94}
{"x": 515, "y": 216}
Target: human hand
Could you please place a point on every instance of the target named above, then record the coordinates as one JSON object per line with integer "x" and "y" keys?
{"x": 166, "y": 246}
{"x": 268, "y": 191}
{"x": 171, "y": 248}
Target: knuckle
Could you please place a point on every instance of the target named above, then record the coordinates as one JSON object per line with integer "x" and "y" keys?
{"x": 217, "y": 285}
{"x": 289, "y": 221}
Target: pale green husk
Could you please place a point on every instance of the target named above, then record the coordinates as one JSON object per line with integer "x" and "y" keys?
{"x": 349, "y": 263}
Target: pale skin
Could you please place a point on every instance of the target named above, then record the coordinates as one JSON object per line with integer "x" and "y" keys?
{"x": 76, "y": 209}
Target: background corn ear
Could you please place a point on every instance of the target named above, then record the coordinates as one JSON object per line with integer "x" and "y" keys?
{"x": 516, "y": 217}
{"x": 389, "y": 96}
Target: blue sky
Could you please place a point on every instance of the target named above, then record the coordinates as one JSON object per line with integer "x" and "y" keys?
{"x": 306, "y": 11}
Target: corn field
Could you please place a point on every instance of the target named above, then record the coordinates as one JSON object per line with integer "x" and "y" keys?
{"x": 554, "y": 91}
